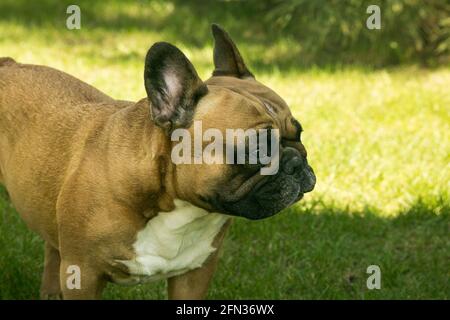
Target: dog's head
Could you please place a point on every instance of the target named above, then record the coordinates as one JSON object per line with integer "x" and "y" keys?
{"x": 239, "y": 145}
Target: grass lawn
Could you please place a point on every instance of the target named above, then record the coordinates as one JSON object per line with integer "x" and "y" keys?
{"x": 377, "y": 139}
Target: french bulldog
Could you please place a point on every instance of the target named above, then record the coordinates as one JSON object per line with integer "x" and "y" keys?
{"x": 94, "y": 177}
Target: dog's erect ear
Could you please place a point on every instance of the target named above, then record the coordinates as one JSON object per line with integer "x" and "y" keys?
{"x": 173, "y": 86}
{"x": 227, "y": 59}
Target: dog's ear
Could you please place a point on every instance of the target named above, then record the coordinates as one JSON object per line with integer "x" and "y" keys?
{"x": 227, "y": 59}
{"x": 173, "y": 86}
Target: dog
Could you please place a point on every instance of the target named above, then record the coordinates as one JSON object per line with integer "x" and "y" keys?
{"x": 93, "y": 176}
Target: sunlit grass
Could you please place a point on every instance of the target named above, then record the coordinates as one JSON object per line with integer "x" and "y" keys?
{"x": 378, "y": 141}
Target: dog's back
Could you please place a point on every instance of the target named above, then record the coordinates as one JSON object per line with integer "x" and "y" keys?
{"x": 45, "y": 84}
{"x": 32, "y": 98}
{"x": 45, "y": 114}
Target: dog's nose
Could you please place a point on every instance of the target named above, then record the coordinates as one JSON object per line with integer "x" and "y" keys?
{"x": 309, "y": 179}
{"x": 293, "y": 165}
{"x": 292, "y": 160}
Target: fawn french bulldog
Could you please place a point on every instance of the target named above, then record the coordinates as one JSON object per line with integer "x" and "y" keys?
{"x": 93, "y": 176}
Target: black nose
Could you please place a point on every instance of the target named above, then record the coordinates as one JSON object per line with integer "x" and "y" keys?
{"x": 309, "y": 179}
{"x": 292, "y": 161}
{"x": 293, "y": 164}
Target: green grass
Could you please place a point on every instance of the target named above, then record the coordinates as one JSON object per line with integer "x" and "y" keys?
{"x": 377, "y": 139}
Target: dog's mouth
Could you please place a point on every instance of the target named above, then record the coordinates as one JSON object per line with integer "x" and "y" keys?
{"x": 261, "y": 196}
{"x": 253, "y": 184}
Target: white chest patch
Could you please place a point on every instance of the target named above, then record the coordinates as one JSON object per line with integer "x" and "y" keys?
{"x": 174, "y": 242}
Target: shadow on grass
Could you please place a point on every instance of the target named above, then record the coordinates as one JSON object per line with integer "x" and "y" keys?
{"x": 303, "y": 253}
{"x": 172, "y": 19}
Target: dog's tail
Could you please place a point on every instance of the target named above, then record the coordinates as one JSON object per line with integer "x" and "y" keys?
{"x": 6, "y": 61}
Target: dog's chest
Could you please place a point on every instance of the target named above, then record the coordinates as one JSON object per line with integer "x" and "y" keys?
{"x": 173, "y": 243}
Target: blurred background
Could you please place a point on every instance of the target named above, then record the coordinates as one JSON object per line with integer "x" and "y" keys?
{"x": 375, "y": 106}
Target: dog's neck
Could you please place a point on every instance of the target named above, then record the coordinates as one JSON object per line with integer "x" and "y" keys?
{"x": 142, "y": 160}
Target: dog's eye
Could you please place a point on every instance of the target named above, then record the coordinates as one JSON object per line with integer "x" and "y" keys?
{"x": 269, "y": 108}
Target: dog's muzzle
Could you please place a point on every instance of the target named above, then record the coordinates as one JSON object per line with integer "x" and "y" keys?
{"x": 274, "y": 193}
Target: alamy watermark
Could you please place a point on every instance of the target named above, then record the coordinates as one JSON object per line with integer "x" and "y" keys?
{"x": 74, "y": 20}
{"x": 374, "y": 20}
{"x": 73, "y": 280}
{"x": 374, "y": 280}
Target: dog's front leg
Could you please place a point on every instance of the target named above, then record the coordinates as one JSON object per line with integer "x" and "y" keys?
{"x": 193, "y": 285}
{"x": 50, "y": 286}
{"x": 89, "y": 285}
